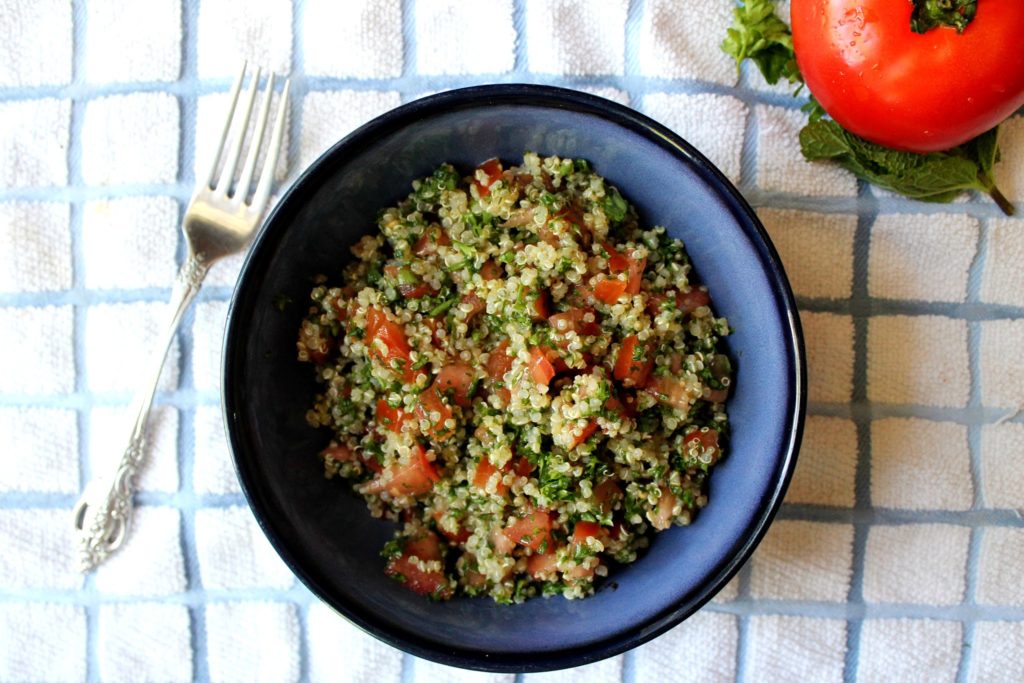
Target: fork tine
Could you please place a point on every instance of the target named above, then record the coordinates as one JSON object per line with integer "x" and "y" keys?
{"x": 235, "y": 89}
{"x": 242, "y": 191}
{"x": 262, "y": 194}
{"x": 240, "y": 129}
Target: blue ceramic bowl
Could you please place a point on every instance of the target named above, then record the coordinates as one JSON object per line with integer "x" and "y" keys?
{"x": 326, "y": 535}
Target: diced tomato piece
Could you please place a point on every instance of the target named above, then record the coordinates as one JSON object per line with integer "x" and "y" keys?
{"x": 432, "y": 238}
{"x": 617, "y": 263}
{"x": 584, "y": 435}
{"x": 339, "y": 453}
{"x": 390, "y": 418}
{"x": 490, "y": 270}
{"x": 583, "y": 531}
{"x": 456, "y": 378}
{"x": 707, "y": 440}
{"x": 503, "y": 545}
{"x": 476, "y": 302}
{"x": 636, "y": 275}
{"x": 413, "y": 479}
{"x": 532, "y": 531}
{"x": 609, "y": 291}
{"x": 417, "y": 291}
{"x": 574, "y": 319}
{"x": 654, "y": 303}
{"x": 485, "y": 469}
{"x": 663, "y": 513}
{"x": 370, "y": 462}
{"x": 542, "y": 306}
{"x": 498, "y": 363}
{"x": 427, "y": 548}
{"x": 460, "y": 536}
{"x": 521, "y": 466}
{"x": 670, "y": 391}
{"x": 492, "y": 171}
{"x": 625, "y": 406}
{"x": 430, "y": 402}
{"x": 396, "y": 347}
{"x": 581, "y": 296}
{"x": 542, "y": 566}
{"x": 556, "y": 360}
{"x": 634, "y": 362}
{"x": 541, "y": 368}
{"x": 606, "y": 493}
{"x": 692, "y": 300}
{"x": 717, "y": 395}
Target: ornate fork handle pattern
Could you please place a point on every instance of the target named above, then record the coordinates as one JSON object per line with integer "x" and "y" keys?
{"x": 219, "y": 221}
{"x": 102, "y": 516}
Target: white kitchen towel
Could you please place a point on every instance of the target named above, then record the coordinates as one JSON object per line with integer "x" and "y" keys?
{"x": 896, "y": 556}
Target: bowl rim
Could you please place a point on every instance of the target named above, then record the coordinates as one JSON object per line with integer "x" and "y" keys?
{"x": 638, "y": 124}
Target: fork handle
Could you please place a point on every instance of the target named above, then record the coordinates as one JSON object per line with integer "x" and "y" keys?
{"x": 102, "y": 515}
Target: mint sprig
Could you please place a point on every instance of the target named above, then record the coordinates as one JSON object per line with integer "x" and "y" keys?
{"x": 759, "y": 35}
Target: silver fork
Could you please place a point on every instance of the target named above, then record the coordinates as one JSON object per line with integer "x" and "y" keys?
{"x": 218, "y": 222}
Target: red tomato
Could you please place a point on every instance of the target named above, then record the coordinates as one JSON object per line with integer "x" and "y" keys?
{"x": 432, "y": 402}
{"x": 390, "y": 418}
{"x": 521, "y": 466}
{"x": 573, "y": 319}
{"x": 541, "y": 368}
{"x": 583, "y": 435}
{"x": 606, "y": 493}
{"x": 704, "y": 440}
{"x": 415, "y": 290}
{"x": 476, "y": 302}
{"x": 917, "y": 92}
{"x": 340, "y": 453}
{"x": 583, "y": 531}
{"x": 532, "y": 531}
{"x": 396, "y": 347}
{"x": 542, "y": 306}
{"x": 484, "y": 470}
{"x": 498, "y": 363}
{"x": 692, "y": 300}
{"x": 492, "y": 171}
{"x": 490, "y": 270}
{"x": 460, "y": 536}
{"x": 663, "y": 513}
{"x": 670, "y": 391}
{"x": 628, "y": 369}
{"x": 617, "y": 263}
{"x": 542, "y": 566}
{"x": 458, "y": 379}
{"x": 609, "y": 291}
{"x": 426, "y": 547}
{"x": 432, "y": 238}
{"x": 413, "y": 479}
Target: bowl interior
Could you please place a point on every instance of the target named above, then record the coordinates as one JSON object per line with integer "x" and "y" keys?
{"x": 325, "y": 532}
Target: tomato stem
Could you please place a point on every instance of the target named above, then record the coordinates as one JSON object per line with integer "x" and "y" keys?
{"x": 1001, "y": 201}
{"x": 1004, "y": 204}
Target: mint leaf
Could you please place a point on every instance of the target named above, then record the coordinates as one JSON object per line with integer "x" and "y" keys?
{"x": 758, "y": 34}
{"x": 934, "y": 177}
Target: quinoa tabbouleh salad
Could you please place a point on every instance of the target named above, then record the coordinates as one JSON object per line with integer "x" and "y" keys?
{"x": 520, "y": 374}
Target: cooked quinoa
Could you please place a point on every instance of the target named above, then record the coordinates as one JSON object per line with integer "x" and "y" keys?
{"x": 520, "y": 374}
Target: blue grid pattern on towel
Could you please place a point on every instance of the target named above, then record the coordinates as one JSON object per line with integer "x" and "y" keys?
{"x": 860, "y": 306}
